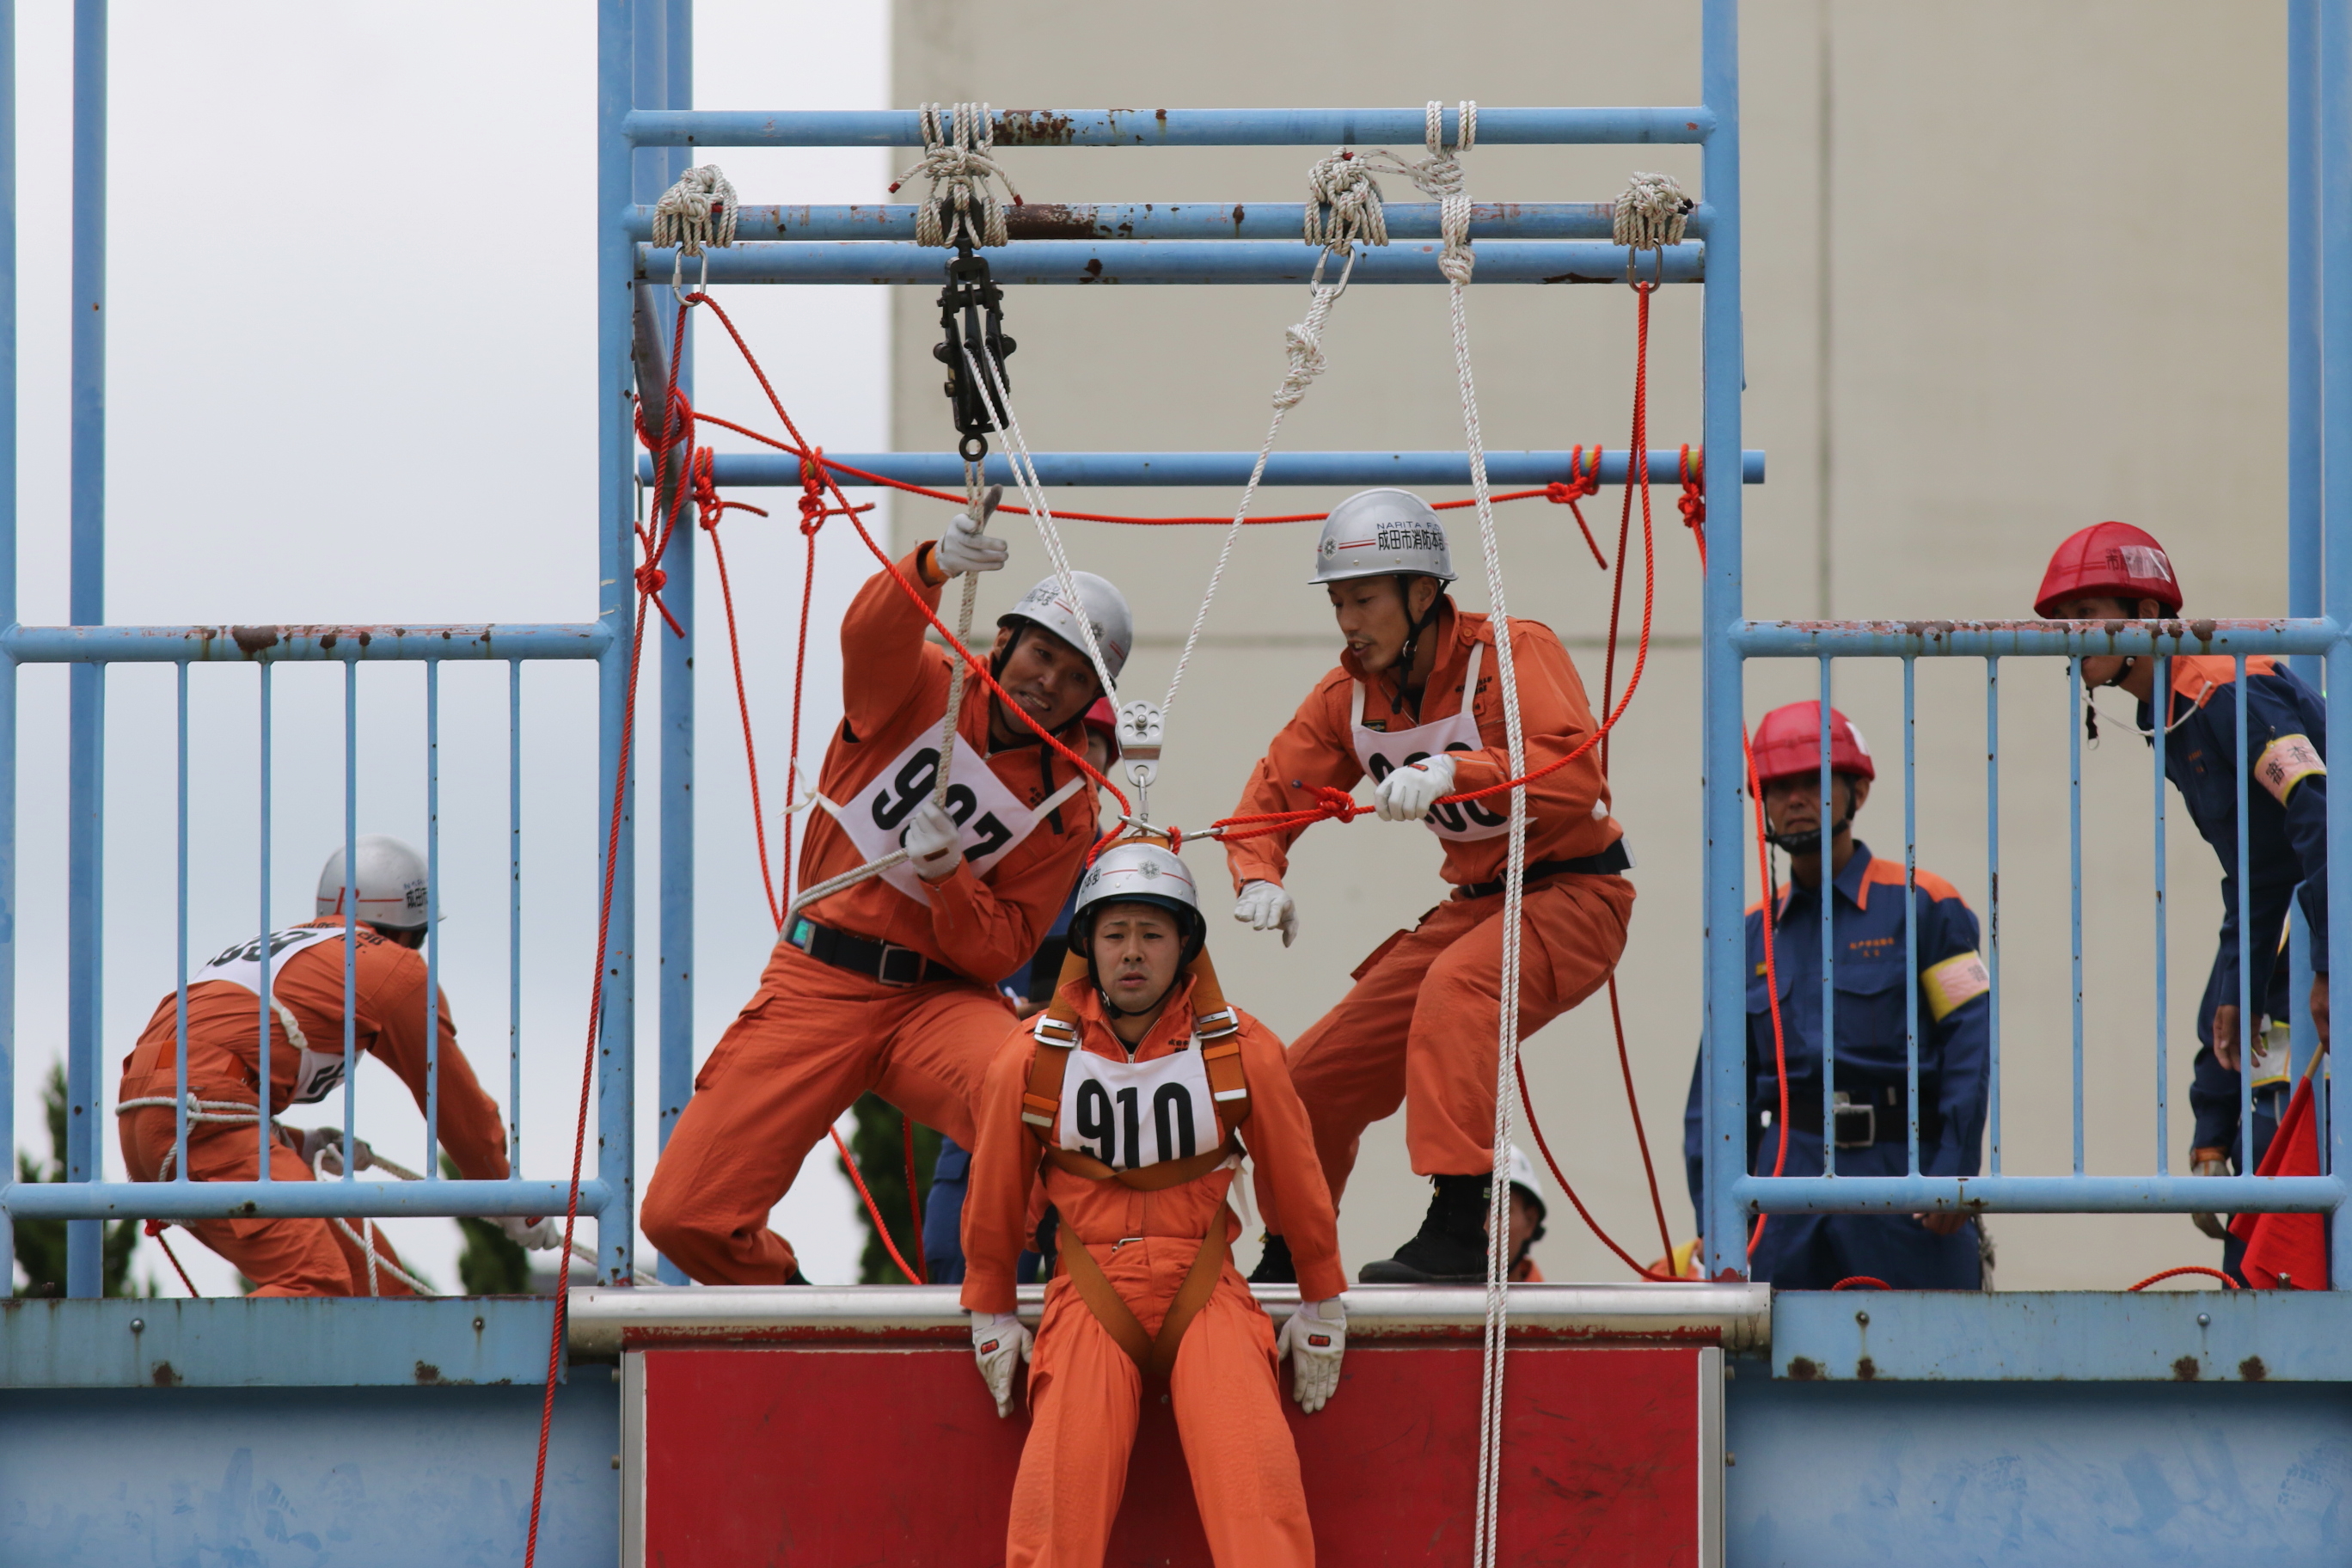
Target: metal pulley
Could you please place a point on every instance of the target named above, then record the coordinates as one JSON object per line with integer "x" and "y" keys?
{"x": 1139, "y": 727}
{"x": 972, "y": 318}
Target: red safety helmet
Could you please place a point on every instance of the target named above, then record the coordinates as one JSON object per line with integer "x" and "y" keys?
{"x": 1104, "y": 722}
{"x": 2109, "y": 560}
{"x": 1787, "y": 745}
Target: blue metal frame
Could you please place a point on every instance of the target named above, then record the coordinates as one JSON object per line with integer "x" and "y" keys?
{"x": 2319, "y": 154}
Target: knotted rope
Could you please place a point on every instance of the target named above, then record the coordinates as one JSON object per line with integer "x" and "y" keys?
{"x": 1439, "y": 177}
{"x": 1343, "y": 183}
{"x": 1651, "y": 215}
{"x": 698, "y": 211}
{"x": 958, "y": 160}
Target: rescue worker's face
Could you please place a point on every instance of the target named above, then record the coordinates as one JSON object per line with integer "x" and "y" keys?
{"x": 2103, "y": 669}
{"x": 1793, "y": 804}
{"x": 1375, "y": 614}
{"x": 1137, "y": 950}
{"x": 1052, "y": 681}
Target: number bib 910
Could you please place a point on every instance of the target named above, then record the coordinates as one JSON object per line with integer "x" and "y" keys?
{"x": 1382, "y": 752}
{"x": 1133, "y": 1114}
{"x": 989, "y": 818}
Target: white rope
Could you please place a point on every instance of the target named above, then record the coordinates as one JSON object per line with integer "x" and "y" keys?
{"x": 698, "y": 211}
{"x": 1344, "y": 183}
{"x": 1653, "y": 213}
{"x": 957, "y": 145}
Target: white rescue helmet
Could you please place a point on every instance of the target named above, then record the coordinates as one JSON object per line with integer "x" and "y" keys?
{"x": 1105, "y": 609}
{"x": 389, "y": 885}
{"x": 1382, "y": 533}
{"x": 1523, "y": 1176}
{"x": 1138, "y": 872}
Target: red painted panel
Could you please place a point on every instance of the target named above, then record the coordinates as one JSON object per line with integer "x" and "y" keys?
{"x": 845, "y": 1456}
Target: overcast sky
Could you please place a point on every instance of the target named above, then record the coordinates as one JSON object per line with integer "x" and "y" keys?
{"x": 351, "y": 379}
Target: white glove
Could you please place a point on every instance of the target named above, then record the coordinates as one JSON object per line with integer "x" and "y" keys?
{"x": 999, "y": 1343}
{"x": 1313, "y": 1339}
{"x": 1406, "y": 795}
{"x": 964, "y": 548}
{"x": 1263, "y": 906}
{"x": 534, "y": 1235}
{"x": 932, "y": 842}
{"x": 329, "y": 1140}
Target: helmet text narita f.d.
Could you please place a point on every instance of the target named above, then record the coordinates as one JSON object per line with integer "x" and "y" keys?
{"x": 1382, "y": 533}
{"x": 2109, "y": 560}
{"x": 389, "y": 883}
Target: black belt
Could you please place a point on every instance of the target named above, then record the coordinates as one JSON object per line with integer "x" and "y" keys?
{"x": 1608, "y": 863}
{"x": 884, "y": 961}
{"x": 1872, "y": 1116}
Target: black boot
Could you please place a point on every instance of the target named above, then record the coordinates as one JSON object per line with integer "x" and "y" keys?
{"x": 1274, "y": 1265}
{"x": 1451, "y": 1249}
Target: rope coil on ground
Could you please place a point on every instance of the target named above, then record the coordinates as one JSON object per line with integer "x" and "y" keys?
{"x": 958, "y": 143}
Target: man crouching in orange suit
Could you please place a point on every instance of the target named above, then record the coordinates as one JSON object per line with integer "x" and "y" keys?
{"x": 1139, "y": 1089}
{"x": 889, "y": 984}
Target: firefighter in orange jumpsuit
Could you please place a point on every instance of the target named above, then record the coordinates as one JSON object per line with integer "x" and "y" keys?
{"x": 1131, "y": 1100}
{"x": 308, "y": 1257}
{"x": 1416, "y": 704}
{"x": 890, "y": 983}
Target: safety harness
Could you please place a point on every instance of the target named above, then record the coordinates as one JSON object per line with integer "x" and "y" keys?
{"x": 1216, "y": 1032}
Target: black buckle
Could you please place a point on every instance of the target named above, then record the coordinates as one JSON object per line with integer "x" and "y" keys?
{"x": 912, "y": 969}
{"x": 1856, "y": 1125}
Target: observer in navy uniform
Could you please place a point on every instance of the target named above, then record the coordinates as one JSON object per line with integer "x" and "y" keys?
{"x": 1874, "y": 983}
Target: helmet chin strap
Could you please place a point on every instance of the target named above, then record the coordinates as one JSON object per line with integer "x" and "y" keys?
{"x": 2091, "y": 710}
{"x": 1414, "y": 626}
{"x": 1809, "y": 842}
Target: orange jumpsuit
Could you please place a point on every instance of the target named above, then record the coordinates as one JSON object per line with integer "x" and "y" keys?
{"x": 298, "y": 1256}
{"x": 814, "y": 1037}
{"x": 1084, "y": 1389}
{"x": 1420, "y": 1026}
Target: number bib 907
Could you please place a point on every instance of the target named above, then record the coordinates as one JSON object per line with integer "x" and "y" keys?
{"x": 1133, "y": 1114}
{"x": 1382, "y": 752}
{"x": 989, "y": 818}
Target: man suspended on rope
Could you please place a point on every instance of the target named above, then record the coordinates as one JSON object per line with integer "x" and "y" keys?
{"x": 1131, "y": 1100}
{"x": 889, "y": 984}
{"x": 1415, "y": 703}
{"x": 2112, "y": 571}
{"x": 392, "y": 1016}
{"x": 1940, "y": 1251}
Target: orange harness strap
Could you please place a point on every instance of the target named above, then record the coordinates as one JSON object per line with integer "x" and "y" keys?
{"x": 1156, "y": 1178}
{"x": 1215, "y": 1022}
{"x": 1154, "y": 1355}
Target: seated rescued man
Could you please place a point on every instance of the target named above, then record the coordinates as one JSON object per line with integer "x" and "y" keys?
{"x": 1871, "y": 1118}
{"x": 1131, "y": 1099}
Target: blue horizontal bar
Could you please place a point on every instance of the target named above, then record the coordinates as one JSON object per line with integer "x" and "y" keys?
{"x": 2040, "y": 1194}
{"x": 279, "y": 645}
{"x": 1042, "y": 261}
{"x": 307, "y": 1342}
{"x": 1813, "y": 639}
{"x": 1167, "y": 220}
{"x": 1163, "y": 127}
{"x": 1506, "y": 471}
{"x": 238, "y": 1200}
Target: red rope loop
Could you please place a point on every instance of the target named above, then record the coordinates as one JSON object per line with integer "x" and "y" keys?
{"x": 2227, "y": 1282}
{"x": 1582, "y": 480}
{"x": 708, "y": 507}
{"x": 1861, "y": 1282}
{"x": 1694, "y": 498}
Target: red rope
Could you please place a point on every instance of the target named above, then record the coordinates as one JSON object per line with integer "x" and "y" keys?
{"x": 2227, "y": 1282}
{"x": 1584, "y": 481}
{"x": 1861, "y": 1282}
{"x": 1561, "y": 1177}
{"x": 873, "y": 1210}
{"x": 155, "y": 1227}
{"x": 914, "y": 1195}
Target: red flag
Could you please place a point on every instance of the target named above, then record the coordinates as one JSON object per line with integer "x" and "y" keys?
{"x": 2288, "y": 1249}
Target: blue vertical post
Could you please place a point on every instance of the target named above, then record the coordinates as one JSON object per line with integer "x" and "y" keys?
{"x": 2306, "y": 594}
{"x": 2332, "y": 73}
{"x": 86, "y": 683}
{"x": 432, "y": 921}
{"x": 2163, "y": 956}
{"x": 1725, "y": 989}
{"x": 8, "y": 610}
{"x": 1992, "y": 892}
{"x": 617, "y": 1029}
{"x": 665, "y": 76}
{"x": 2075, "y": 696}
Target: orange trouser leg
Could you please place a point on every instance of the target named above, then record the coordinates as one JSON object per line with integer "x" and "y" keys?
{"x": 1084, "y": 1393}
{"x": 812, "y": 1041}
{"x": 1244, "y": 1466}
{"x": 1575, "y": 930}
{"x": 282, "y": 1256}
{"x": 1419, "y": 1026}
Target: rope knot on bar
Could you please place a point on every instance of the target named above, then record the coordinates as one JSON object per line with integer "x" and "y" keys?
{"x": 1439, "y": 177}
{"x": 1343, "y": 183}
{"x": 709, "y": 506}
{"x": 698, "y": 211}
{"x": 959, "y": 146}
{"x": 1692, "y": 501}
{"x": 1651, "y": 215}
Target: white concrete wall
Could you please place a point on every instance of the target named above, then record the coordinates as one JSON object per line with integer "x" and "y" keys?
{"x": 1980, "y": 316}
